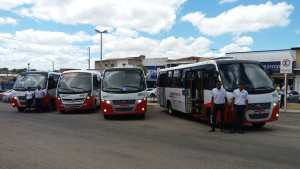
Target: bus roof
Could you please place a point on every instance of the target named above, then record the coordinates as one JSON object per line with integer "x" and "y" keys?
{"x": 123, "y": 68}
{"x": 214, "y": 62}
{"x": 82, "y": 71}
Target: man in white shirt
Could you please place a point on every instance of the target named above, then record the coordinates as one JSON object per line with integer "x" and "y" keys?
{"x": 218, "y": 102}
{"x": 240, "y": 107}
{"x": 282, "y": 94}
{"x": 39, "y": 98}
{"x": 29, "y": 99}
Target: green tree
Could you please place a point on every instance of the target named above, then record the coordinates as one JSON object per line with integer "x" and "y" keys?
{"x": 144, "y": 68}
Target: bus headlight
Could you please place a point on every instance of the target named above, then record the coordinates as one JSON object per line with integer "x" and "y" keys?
{"x": 140, "y": 100}
{"x": 58, "y": 98}
{"x": 16, "y": 97}
{"x": 88, "y": 97}
{"x": 106, "y": 101}
{"x": 274, "y": 104}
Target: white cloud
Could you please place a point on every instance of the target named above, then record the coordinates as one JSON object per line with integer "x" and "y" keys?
{"x": 245, "y": 40}
{"x": 227, "y": 1}
{"x": 297, "y": 31}
{"x": 141, "y": 15}
{"x": 115, "y": 45}
{"x": 10, "y": 4}
{"x": 242, "y": 19}
{"x": 234, "y": 48}
{"x": 8, "y": 20}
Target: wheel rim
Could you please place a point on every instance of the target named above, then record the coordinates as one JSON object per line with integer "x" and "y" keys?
{"x": 170, "y": 109}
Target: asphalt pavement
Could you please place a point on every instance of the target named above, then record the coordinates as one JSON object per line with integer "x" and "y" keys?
{"x": 87, "y": 140}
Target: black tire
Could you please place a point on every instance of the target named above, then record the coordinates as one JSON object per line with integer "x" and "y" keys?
{"x": 170, "y": 109}
{"x": 152, "y": 95}
{"x": 20, "y": 109}
{"x": 142, "y": 116}
{"x": 62, "y": 111}
{"x": 258, "y": 124}
{"x": 209, "y": 115}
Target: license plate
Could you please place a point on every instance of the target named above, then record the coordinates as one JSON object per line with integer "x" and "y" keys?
{"x": 124, "y": 106}
{"x": 259, "y": 112}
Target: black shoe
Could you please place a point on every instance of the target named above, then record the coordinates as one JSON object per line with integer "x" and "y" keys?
{"x": 221, "y": 130}
{"x": 212, "y": 130}
{"x": 232, "y": 131}
{"x": 241, "y": 132}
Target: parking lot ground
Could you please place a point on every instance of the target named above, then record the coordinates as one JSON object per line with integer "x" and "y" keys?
{"x": 86, "y": 140}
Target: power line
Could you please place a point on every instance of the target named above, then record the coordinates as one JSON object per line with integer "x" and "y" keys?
{"x": 68, "y": 46}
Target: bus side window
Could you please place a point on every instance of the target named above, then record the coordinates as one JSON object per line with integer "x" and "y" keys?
{"x": 176, "y": 78}
{"x": 95, "y": 82}
{"x": 182, "y": 80}
{"x": 169, "y": 79}
{"x": 51, "y": 82}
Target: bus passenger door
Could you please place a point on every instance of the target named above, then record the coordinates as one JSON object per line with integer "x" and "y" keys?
{"x": 200, "y": 93}
{"x": 190, "y": 92}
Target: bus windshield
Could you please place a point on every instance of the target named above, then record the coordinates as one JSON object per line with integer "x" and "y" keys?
{"x": 75, "y": 83}
{"x": 30, "y": 80}
{"x": 123, "y": 81}
{"x": 253, "y": 75}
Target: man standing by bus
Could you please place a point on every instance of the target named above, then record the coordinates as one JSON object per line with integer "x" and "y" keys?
{"x": 28, "y": 99}
{"x": 218, "y": 102}
{"x": 39, "y": 98}
{"x": 240, "y": 107}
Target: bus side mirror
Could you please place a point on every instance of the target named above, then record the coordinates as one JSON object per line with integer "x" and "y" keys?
{"x": 270, "y": 71}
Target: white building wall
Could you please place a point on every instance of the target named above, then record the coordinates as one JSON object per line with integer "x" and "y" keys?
{"x": 155, "y": 61}
{"x": 265, "y": 56}
{"x": 297, "y": 83}
{"x": 120, "y": 63}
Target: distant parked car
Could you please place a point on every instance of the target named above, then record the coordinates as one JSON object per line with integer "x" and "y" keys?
{"x": 152, "y": 93}
{"x": 293, "y": 97}
{"x": 1, "y": 93}
{"x": 6, "y": 96}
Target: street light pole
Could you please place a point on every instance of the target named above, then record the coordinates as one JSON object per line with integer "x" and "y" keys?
{"x": 105, "y": 31}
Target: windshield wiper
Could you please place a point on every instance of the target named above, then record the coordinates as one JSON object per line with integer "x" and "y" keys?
{"x": 113, "y": 88}
{"x": 265, "y": 87}
{"x": 79, "y": 88}
{"x": 61, "y": 88}
{"x": 133, "y": 87}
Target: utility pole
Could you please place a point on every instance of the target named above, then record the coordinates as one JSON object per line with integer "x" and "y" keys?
{"x": 89, "y": 58}
{"x": 53, "y": 65}
{"x": 28, "y": 67}
{"x": 213, "y": 52}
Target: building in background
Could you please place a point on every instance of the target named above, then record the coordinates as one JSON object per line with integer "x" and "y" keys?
{"x": 153, "y": 65}
{"x": 120, "y": 62}
{"x": 272, "y": 59}
{"x": 7, "y": 80}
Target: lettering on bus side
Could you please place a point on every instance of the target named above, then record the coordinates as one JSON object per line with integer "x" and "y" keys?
{"x": 174, "y": 95}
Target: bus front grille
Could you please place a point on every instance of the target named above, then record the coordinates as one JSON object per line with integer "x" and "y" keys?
{"x": 259, "y": 106}
{"x": 123, "y": 102}
{"x": 259, "y": 116}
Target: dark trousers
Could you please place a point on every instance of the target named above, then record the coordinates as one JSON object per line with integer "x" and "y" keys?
{"x": 238, "y": 110}
{"x": 28, "y": 104}
{"x": 217, "y": 108}
{"x": 39, "y": 104}
{"x": 281, "y": 101}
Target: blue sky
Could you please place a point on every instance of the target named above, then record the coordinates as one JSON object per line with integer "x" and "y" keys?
{"x": 41, "y": 32}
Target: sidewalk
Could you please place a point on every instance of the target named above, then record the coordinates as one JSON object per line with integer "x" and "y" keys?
{"x": 291, "y": 108}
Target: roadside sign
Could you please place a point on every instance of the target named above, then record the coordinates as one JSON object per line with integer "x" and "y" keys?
{"x": 286, "y": 66}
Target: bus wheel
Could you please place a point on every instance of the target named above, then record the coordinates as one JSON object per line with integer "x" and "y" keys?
{"x": 258, "y": 124}
{"x": 209, "y": 116}
{"x": 20, "y": 109}
{"x": 62, "y": 111}
{"x": 53, "y": 105}
{"x": 170, "y": 109}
